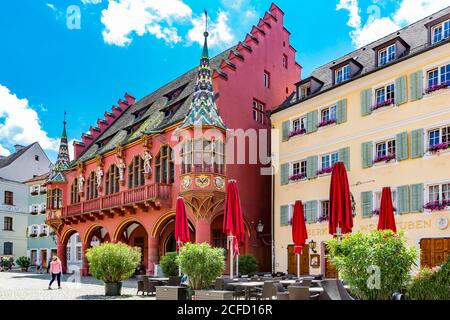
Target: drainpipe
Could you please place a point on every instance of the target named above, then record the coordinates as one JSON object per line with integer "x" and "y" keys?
{"x": 272, "y": 205}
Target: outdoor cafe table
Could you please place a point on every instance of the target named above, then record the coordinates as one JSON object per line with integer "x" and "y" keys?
{"x": 247, "y": 286}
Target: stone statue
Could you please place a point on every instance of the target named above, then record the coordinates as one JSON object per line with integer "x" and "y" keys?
{"x": 147, "y": 163}
{"x": 80, "y": 183}
{"x": 99, "y": 175}
{"x": 121, "y": 166}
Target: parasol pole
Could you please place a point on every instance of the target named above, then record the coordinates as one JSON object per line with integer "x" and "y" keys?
{"x": 237, "y": 266}
{"x": 179, "y": 265}
{"x": 230, "y": 238}
{"x": 298, "y": 266}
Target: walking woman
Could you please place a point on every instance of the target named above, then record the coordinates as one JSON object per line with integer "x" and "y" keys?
{"x": 55, "y": 270}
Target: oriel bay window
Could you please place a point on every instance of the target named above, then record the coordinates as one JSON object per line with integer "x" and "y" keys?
{"x": 91, "y": 187}
{"x": 54, "y": 199}
{"x": 164, "y": 166}
{"x": 112, "y": 180}
{"x": 136, "y": 177}
{"x": 202, "y": 155}
{"x": 74, "y": 194}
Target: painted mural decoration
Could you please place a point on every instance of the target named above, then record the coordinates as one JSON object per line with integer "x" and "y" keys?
{"x": 186, "y": 182}
{"x": 219, "y": 182}
{"x": 202, "y": 181}
{"x": 148, "y": 164}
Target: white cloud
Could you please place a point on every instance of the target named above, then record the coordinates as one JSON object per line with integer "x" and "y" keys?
{"x": 4, "y": 151}
{"x": 51, "y": 6}
{"x": 376, "y": 26}
{"x": 122, "y": 18}
{"x": 19, "y": 124}
{"x": 91, "y": 1}
{"x": 220, "y": 34}
{"x": 71, "y": 149}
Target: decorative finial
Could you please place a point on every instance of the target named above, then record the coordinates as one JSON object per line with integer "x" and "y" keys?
{"x": 65, "y": 113}
{"x": 206, "y": 34}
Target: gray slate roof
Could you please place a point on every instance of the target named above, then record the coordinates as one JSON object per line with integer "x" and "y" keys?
{"x": 415, "y": 35}
{"x": 6, "y": 161}
{"x": 154, "y": 119}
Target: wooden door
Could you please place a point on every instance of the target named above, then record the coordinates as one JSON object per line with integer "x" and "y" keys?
{"x": 44, "y": 258}
{"x": 434, "y": 252}
{"x": 304, "y": 260}
{"x": 330, "y": 269}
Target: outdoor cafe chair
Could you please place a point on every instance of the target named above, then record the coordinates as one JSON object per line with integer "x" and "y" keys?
{"x": 334, "y": 290}
{"x": 266, "y": 292}
{"x": 174, "y": 281}
{"x": 301, "y": 293}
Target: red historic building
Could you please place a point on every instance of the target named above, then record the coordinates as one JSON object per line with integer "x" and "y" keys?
{"x": 129, "y": 171}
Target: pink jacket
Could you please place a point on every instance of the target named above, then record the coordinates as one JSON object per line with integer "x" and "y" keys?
{"x": 55, "y": 267}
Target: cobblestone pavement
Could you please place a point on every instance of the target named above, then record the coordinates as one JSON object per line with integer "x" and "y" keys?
{"x": 18, "y": 285}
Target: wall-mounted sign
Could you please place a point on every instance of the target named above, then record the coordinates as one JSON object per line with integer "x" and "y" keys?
{"x": 442, "y": 223}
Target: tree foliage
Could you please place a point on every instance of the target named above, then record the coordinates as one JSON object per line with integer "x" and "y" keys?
{"x": 169, "y": 264}
{"x": 247, "y": 264}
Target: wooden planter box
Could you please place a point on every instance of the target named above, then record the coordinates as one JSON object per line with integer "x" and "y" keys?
{"x": 170, "y": 293}
{"x": 213, "y": 295}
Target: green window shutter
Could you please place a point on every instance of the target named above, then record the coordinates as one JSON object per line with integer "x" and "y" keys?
{"x": 416, "y": 85}
{"x": 312, "y": 165}
{"x": 366, "y": 102}
{"x": 341, "y": 111}
{"x": 284, "y": 215}
{"x": 286, "y": 126}
{"x": 311, "y": 211}
{"x": 417, "y": 140}
{"x": 367, "y": 154}
{"x": 366, "y": 204}
{"x": 401, "y": 96}
{"x": 307, "y": 209}
{"x": 401, "y": 146}
{"x": 416, "y": 192}
{"x": 311, "y": 121}
{"x": 403, "y": 199}
{"x": 284, "y": 174}
{"x": 344, "y": 156}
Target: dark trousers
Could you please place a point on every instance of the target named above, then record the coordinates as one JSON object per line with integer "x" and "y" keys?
{"x": 56, "y": 276}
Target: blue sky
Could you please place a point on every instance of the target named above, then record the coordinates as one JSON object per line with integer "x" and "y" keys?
{"x": 47, "y": 66}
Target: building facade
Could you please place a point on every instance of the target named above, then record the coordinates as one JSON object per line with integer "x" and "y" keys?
{"x": 41, "y": 244}
{"x": 14, "y": 218}
{"x": 135, "y": 162}
{"x": 384, "y": 111}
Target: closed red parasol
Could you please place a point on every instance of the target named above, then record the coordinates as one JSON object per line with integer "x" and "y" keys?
{"x": 181, "y": 224}
{"x": 233, "y": 221}
{"x": 386, "y": 220}
{"x": 340, "y": 206}
{"x": 299, "y": 232}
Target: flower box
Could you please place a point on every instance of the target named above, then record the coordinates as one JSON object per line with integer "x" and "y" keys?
{"x": 34, "y": 193}
{"x": 325, "y": 123}
{"x": 43, "y": 191}
{"x": 33, "y": 235}
{"x": 386, "y": 158}
{"x": 33, "y": 213}
{"x": 323, "y": 218}
{"x": 436, "y": 205}
{"x": 324, "y": 171}
{"x": 383, "y": 104}
{"x": 297, "y": 132}
{"x": 438, "y": 147}
{"x": 438, "y": 87}
{"x": 42, "y": 211}
{"x": 375, "y": 212}
{"x": 297, "y": 177}
{"x": 42, "y": 234}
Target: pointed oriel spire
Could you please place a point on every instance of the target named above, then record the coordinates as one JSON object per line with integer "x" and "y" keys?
{"x": 63, "y": 159}
{"x": 203, "y": 110}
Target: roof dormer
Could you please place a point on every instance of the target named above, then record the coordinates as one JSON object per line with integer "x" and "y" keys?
{"x": 345, "y": 70}
{"x": 390, "y": 51}
{"x": 438, "y": 29}
{"x": 308, "y": 87}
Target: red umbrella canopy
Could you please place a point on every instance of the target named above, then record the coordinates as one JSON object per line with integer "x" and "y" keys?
{"x": 386, "y": 220}
{"x": 340, "y": 206}
{"x": 299, "y": 232}
{"x": 181, "y": 223}
{"x": 233, "y": 220}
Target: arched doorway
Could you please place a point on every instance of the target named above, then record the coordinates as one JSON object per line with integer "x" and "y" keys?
{"x": 166, "y": 236}
{"x": 94, "y": 236}
{"x": 134, "y": 234}
{"x": 74, "y": 253}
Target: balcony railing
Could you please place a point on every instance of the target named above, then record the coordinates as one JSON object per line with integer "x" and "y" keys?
{"x": 151, "y": 192}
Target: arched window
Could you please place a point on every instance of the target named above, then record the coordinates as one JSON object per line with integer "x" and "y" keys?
{"x": 74, "y": 195}
{"x": 91, "y": 187}
{"x": 136, "y": 176}
{"x": 54, "y": 199}
{"x": 164, "y": 166}
{"x": 112, "y": 180}
{"x": 202, "y": 155}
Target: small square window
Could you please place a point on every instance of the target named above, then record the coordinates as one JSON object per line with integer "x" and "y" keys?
{"x": 36, "y": 157}
{"x": 266, "y": 79}
{"x": 285, "y": 61}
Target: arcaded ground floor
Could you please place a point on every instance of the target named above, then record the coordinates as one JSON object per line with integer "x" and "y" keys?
{"x": 17, "y": 285}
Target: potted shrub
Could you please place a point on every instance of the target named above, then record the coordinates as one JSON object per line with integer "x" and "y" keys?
{"x": 202, "y": 264}
{"x": 6, "y": 262}
{"x": 358, "y": 257}
{"x": 169, "y": 264}
{"x": 112, "y": 263}
{"x": 23, "y": 263}
{"x": 247, "y": 264}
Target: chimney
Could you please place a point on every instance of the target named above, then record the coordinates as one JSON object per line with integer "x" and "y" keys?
{"x": 18, "y": 147}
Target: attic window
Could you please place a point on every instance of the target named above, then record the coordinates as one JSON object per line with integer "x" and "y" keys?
{"x": 138, "y": 114}
{"x": 171, "y": 96}
{"x": 305, "y": 90}
{"x": 440, "y": 32}
{"x": 171, "y": 110}
{"x": 386, "y": 55}
{"x": 36, "y": 157}
{"x": 342, "y": 74}
{"x": 103, "y": 142}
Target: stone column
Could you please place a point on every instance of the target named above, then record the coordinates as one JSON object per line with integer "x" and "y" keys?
{"x": 153, "y": 255}
{"x": 203, "y": 231}
{"x": 61, "y": 252}
{"x": 84, "y": 264}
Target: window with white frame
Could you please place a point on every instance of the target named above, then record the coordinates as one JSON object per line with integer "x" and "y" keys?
{"x": 305, "y": 91}
{"x": 259, "y": 110}
{"x": 324, "y": 209}
{"x": 35, "y": 190}
{"x": 440, "y": 31}
{"x": 386, "y": 55}
{"x": 44, "y": 230}
{"x": 439, "y": 192}
{"x": 35, "y": 209}
{"x": 299, "y": 168}
{"x": 328, "y": 160}
{"x": 78, "y": 238}
{"x": 43, "y": 208}
{"x": 68, "y": 253}
{"x": 266, "y": 79}
{"x": 342, "y": 74}
{"x": 79, "y": 254}
{"x": 299, "y": 124}
{"x": 385, "y": 148}
{"x": 438, "y": 76}
{"x": 34, "y": 229}
{"x": 385, "y": 94}
{"x": 328, "y": 114}
{"x": 377, "y": 202}
{"x": 438, "y": 136}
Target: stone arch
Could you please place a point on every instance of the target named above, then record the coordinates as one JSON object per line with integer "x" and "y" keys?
{"x": 123, "y": 225}
{"x": 247, "y": 224}
{"x": 91, "y": 231}
{"x": 162, "y": 220}
{"x": 65, "y": 235}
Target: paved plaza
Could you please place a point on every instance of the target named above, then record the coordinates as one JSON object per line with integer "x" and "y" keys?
{"x": 18, "y": 285}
